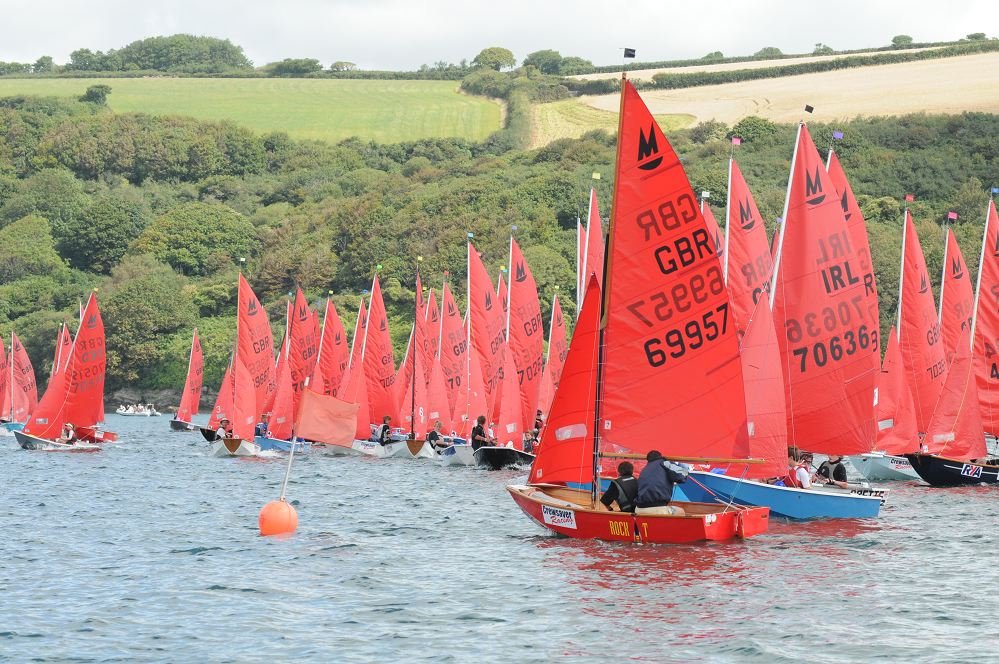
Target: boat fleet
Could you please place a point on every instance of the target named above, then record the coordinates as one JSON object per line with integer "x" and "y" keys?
{"x": 725, "y": 350}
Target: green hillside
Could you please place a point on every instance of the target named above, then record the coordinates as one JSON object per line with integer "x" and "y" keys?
{"x": 385, "y": 111}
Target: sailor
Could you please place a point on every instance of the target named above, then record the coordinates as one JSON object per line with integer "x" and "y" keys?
{"x": 68, "y": 435}
{"x": 798, "y": 475}
{"x": 224, "y": 430}
{"x": 434, "y": 436}
{"x": 479, "y": 436}
{"x": 623, "y": 489}
{"x": 385, "y": 431}
{"x": 261, "y": 429}
{"x": 833, "y": 471}
{"x": 655, "y": 485}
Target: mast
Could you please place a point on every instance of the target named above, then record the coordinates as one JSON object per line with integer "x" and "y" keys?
{"x": 901, "y": 274}
{"x": 728, "y": 219}
{"x": 468, "y": 331}
{"x": 605, "y": 303}
{"x": 981, "y": 262}
{"x": 586, "y": 251}
{"x": 364, "y": 342}
{"x": 943, "y": 276}
{"x": 10, "y": 381}
{"x": 783, "y": 220}
{"x": 413, "y": 345}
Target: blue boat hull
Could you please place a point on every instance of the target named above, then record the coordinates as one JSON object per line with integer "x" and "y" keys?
{"x": 281, "y": 445}
{"x": 11, "y": 427}
{"x": 782, "y": 501}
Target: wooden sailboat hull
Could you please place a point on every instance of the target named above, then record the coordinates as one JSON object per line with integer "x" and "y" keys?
{"x": 941, "y": 471}
{"x": 567, "y": 512}
{"x": 426, "y": 451}
{"x": 497, "y": 458}
{"x": 181, "y": 425}
{"x": 879, "y": 466}
{"x": 781, "y": 500}
{"x": 458, "y": 455}
{"x": 234, "y": 447}
{"x": 29, "y": 442}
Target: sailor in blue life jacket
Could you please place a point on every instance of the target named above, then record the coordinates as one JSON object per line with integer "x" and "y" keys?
{"x": 623, "y": 490}
{"x": 655, "y": 485}
{"x": 261, "y": 430}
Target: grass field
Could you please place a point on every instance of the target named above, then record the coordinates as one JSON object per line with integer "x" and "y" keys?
{"x": 384, "y": 111}
{"x": 572, "y": 118}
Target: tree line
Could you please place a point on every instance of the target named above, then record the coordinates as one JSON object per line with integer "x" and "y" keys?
{"x": 158, "y": 211}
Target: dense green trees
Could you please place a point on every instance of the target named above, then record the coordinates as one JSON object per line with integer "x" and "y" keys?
{"x": 157, "y": 211}
{"x": 293, "y": 67}
{"x": 495, "y": 57}
{"x": 176, "y": 53}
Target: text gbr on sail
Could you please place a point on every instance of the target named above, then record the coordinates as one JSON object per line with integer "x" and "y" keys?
{"x": 671, "y": 215}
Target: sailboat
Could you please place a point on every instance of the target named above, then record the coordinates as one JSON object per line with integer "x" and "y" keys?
{"x": 643, "y": 362}
{"x": 18, "y": 393}
{"x": 190, "y": 399}
{"x": 75, "y": 395}
{"x": 824, "y": 303}
{"x": 251, "y": 378}
{"x": 985, "y": 325}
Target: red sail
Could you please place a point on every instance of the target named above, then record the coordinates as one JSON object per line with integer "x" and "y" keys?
{"x": 856, "y": 224}
{"x": 986, "y": 324}
{"x": 566, "y": 454}
{"x": 919, "y": 335}
{"x": 453, "y": 348}
{"x": 956, "y": 297}
{"x": 558, "y": 348}
{"x": 433, "y": 329}
{"x": 765, "y": 407}
{"x": 326, "y": 419}
{"x": 62, "y": 350}
{"x": 76, "y": 395}
{"x": 379, "y": 361}
{"x": 593, "y": 246}
{"x": 897, "y": 431}
{"x": 355, "y": 390}
{"x": 580, "y": 257}
{"x": 471, "y": 399}
{"x": 190, "y": 400}
{"x": 22, "y": 392}
{"x": 488, "y": 323}
{"x": 357, "y": 341}
{"x": 224, "y": 400}
{"x": 546, "y": 394}
{"x": 5, "y": 383}
{"x": 403, "y": 375}
{"x": 255, "y": 347}
{"x": 509, "y": 429}
{"x": 671, "y": 355}
{"x": 244, "y": 401}
{"x": 333, "y": 354}
{"x": 955, "y": 429}
{"x": 503, "y": 292}
{"x": 414, "y": 407}
{"x": 283, "y": 410}
{"x": 830, "y": 345}
{"x": 526, "y": 335}
{"x": 303, "y": 346}
{"x": 748, "y": 263}
{"x": 86, "y": 371}
{"x": 438, "y": 406}
{"x": 714, "y": 231}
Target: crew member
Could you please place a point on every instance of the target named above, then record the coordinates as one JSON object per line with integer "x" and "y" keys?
{"x": 623, "y": 489}
{"x": 655, "y": 485}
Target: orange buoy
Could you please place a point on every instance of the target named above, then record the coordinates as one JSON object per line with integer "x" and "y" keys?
{"x": 277, "y": 518}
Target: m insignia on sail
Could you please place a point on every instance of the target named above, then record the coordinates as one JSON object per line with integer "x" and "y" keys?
{"x": 957, "y": 272}
{"x": 521, "y": 273}
{"x": 746, "y": 219}
{"x": 648, "y": 149}
{"x": 813, "y": 188}
{"x": 923, "y": 284}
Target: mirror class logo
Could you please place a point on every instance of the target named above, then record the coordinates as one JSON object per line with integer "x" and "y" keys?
{"x": 520, "y": 274}
{"x": 648, "y": 150}
{"x": 956, "y": 269}
{"x": 813, "y": 188}
{"x": 251, "y": 308}
{"x": 746, "y": 219}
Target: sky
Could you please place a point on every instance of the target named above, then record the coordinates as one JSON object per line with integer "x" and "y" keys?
{"x": 404, "y": 34}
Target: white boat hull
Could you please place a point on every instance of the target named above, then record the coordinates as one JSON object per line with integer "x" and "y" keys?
{"x": 234, "y": 447}
{"x": 878, "y": 466}
{"x": 397, "y": 449}
{"x": 336, "y": 450}
{"x": 29, "y": 442}
{"x": 426, "y": 452}
{"x": 458, "y": 455}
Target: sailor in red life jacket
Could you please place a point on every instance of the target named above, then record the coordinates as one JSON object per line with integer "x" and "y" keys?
{"x": 798, "y": 475}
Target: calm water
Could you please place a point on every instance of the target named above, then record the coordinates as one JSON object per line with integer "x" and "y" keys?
{"x": 148, "y": 551}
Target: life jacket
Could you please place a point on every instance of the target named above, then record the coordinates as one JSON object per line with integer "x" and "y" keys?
{"x": 627, "y": 491}
{"x": 791, "y": 479}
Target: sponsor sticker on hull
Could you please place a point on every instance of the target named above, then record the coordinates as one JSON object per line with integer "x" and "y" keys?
{"x": 555, "y": 516}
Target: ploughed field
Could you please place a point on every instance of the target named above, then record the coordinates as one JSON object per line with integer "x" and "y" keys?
{"x": 946, "y": 85}
{"x": 331, "y": 110}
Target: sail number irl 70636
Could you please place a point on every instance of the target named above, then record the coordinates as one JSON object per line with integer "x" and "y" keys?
{"x": 836, "y": 347}
{"x": 690, "y": 336}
